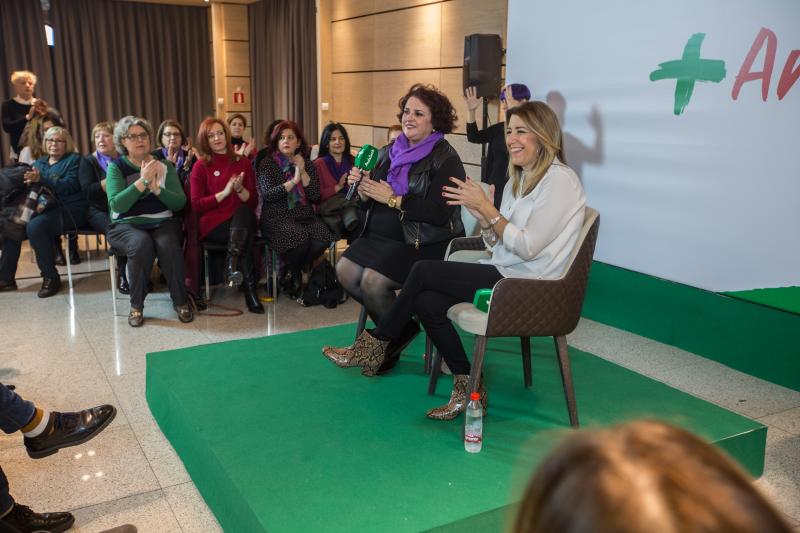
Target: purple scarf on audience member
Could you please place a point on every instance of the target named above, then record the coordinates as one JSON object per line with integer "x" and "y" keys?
{"x": 103, "y": 160}
{"x": 297, "y": 196}
{"x": 181, "y": 156}
{"x": 403, "y": 156}
{"x": 338, "y": 169}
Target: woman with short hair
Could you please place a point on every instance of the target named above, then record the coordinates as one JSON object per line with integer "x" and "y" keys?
{"x": 92, "y": 174}
{"x": 175, "y": 148}
{"x": 143, "y": 196}
{"x": 406, "y": 218}
{"x": 58, "y": 172}
{"x": 237, "y": 123}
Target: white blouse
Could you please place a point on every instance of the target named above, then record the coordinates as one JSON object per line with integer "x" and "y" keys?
{"x": 543, "y": 226}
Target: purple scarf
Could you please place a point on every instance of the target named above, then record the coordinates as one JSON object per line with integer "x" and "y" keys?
{"x": 337, "y": 169}
{"x": 103, "y": 160}
{"x": 181, "y": 157}
{"x": 403, "y": 156}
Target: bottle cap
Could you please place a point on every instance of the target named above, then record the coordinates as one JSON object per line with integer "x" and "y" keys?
{"x": 475, "y": 396}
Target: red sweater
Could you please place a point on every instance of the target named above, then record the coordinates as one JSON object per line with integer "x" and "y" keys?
{"x": 208, "y": 179}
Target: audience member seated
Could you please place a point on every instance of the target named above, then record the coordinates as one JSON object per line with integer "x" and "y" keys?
{"x": 333, "y": 166}
{"x": 143, "y": 195}
{"x": 56, "y": 172}
{"x": 175, "y": 148}
{"x": 393, "y": 133}
{"x": 406, "y": 217}
{"x": 642, "y": 477}
{"x": 18, "y": 111}
{"x": 237, "y": 124}
{"x": 92, "y": 174}
{"x": 531, "y": 236}
{"x": 288, "y": 185}
{"x": 497, "y": 158}
{"x": 224, "y": 197}
{"x": 45, "y": 433}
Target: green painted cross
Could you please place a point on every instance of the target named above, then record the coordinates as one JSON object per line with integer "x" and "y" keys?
{"x": 689, "y": 69}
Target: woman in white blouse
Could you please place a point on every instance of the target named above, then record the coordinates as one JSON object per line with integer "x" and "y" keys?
{"x": 531, "y": 236}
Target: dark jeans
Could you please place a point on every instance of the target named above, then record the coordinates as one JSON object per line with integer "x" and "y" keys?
{"x": 142, "y": 246}
{"x": 42, "y": 231}
{"x": 14, "y": 414}
{"x": 430, "y": 290}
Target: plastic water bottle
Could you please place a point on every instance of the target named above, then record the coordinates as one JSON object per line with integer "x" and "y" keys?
{"x": 473, "y": 427}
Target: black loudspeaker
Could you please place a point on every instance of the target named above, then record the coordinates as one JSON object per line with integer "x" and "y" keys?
{"x": 483, "y": 58}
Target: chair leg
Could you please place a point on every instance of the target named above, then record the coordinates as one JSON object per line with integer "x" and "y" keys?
{"x": 69, "y": 263}
{"x": 526, "y": 360}
{"x": 362, "y": 321}
{"x": 205, "y": 268}
{"x": 428, "y": 354}
{"x": 477, "y": 362}
{"x": 272, "y": 272}
{"x": 112, "y": 268}
{"x": 436, "y": 370}
{"x": 566, "y": 378}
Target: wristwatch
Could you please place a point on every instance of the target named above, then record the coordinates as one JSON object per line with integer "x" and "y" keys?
{"x": 392, "y": 202}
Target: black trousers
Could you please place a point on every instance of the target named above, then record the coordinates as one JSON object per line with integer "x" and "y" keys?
{"x": 142, "y": 246}
{"x": 430, "y": 290}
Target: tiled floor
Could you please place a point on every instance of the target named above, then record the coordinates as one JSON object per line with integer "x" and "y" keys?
{"x": 67, "y": 357}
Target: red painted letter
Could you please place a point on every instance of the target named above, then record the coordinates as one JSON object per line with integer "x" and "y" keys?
{"x": 746, "y": 75}
{"x": 789, "y": 74}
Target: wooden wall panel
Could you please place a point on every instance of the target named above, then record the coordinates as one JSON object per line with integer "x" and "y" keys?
{"x": 359, "y": 135}
{"x": 237, "y": 58}
{"x": 388, "y": 87}
{"x": 353, "y": 98}
{"x": 354, "y": 44}
{"x": 235, "y": 23}
{"x": 410, "y": 38}
{"x": 465, "y": 17}
{"x": 343, "y": 9}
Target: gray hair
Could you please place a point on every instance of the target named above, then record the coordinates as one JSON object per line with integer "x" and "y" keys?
{"x": 125, "y": 124}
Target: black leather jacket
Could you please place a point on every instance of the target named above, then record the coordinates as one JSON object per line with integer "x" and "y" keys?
{"x": 419, "y": 183}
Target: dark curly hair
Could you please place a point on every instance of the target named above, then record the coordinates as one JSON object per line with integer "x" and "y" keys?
{"x": 443, "y": 114}
{"x": 283, "y": 125}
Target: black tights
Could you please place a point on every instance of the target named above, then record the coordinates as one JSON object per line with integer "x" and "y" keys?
{"x": 431, "y": 289}
{"x": 368, "y": 287}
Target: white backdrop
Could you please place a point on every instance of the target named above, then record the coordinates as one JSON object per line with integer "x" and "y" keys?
{"x": 709, "y": 198}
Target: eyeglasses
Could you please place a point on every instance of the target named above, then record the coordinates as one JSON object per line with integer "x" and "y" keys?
{"x": 171, "y": 135}
{"x": 215, "y": 134}
{"x": 55, "y": 141}
{"x": 137, "y": 137}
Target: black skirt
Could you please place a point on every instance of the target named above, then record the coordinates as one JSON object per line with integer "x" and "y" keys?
{"x": 390, "y": 257}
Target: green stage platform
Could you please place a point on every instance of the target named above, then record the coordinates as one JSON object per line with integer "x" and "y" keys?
{"x": 277, "y": 438}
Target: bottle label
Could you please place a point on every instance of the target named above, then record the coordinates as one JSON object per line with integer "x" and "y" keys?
{"x": 474, "y": 439}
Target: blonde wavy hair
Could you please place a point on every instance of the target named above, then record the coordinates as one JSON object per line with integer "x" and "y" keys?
{"x": 543, "y": 122}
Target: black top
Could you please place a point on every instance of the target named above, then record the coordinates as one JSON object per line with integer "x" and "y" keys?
{"x": 91, "y": 174}
{"x": 14, "y": 120}
{"x": 497, "y": 157}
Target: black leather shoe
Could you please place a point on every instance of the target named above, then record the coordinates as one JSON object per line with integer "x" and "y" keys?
{"x": 50, "y": 287}
{"x": 23, "y": 519}
{"x": 122, "y": 284}
{"x": 185, "y": 313}
{"x": 6, "y": 286}
{"x": 70, "y": 429}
